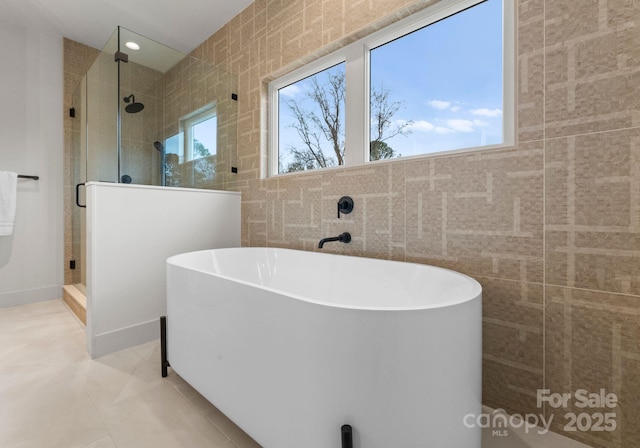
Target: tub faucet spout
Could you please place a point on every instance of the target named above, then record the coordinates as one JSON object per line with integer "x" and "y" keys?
{"x": 343, "y": 238}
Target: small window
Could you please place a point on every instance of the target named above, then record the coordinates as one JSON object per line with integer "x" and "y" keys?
{"x": 201, "y": 134}
{"x": 190, "y": 156}
{"x": 439, "y": 80}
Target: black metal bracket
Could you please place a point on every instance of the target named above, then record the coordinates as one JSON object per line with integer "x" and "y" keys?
{"x": 345, "y": 205}
{"x": 347, "y": 436}
{"x": 234, "y": 169}
{"x": 72, "y": 112}
{"x": 234, "y": 96}
{"x": 163, "y": 346}
{"x": 120, "y": 56}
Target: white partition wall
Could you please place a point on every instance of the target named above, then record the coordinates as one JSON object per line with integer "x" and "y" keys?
{"x": 131, "y": 231}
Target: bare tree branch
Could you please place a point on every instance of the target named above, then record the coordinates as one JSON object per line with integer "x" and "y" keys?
{"x": 308, "y": 135}
{"x": 382, "y": 111}
{"x": 321, "y": 127}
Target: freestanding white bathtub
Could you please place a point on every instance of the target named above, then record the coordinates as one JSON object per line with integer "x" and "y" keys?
{"x": 291, "y": 345}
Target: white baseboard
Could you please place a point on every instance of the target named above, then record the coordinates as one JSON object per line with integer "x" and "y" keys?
{"x": 117, "y": 340}
{"x": 23, "y": 297}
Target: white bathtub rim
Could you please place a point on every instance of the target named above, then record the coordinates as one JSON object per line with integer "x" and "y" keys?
{"x": 476, "y": 287}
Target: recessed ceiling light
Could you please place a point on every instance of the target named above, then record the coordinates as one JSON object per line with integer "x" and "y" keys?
{"x": 132, "y": 45}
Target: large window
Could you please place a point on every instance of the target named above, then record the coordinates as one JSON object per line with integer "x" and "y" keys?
{"x": 312, "y": 121}
{"x": 440, "y": 80}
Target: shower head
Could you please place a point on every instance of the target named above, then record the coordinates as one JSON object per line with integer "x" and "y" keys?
{"x": 159, "y": 146}
{"x": 134, "y": 107}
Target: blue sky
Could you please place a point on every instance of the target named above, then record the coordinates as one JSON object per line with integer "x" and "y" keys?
{"x": 448, "y": 77}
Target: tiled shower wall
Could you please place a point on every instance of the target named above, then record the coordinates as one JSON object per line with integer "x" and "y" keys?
{"x": 187, "y": 87}
{"x": 140, "y": 159}
{"x": 550, "y": 227}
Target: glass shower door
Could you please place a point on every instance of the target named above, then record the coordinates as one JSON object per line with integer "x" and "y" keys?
{"x": 102, "y": 115}
{"x": 79, "y": 174}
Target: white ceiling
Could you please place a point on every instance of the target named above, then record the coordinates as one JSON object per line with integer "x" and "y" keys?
{"x": 180, "y": 24}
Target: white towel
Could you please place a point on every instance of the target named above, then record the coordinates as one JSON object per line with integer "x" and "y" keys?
{"x": 8, "y": 190}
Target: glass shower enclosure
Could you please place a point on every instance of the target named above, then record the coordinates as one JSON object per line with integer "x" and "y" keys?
{"x": 148, "y": 114}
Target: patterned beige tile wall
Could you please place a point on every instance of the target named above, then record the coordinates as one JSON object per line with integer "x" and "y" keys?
{"x": 593, "y": 343}
{"x": 551, "y": 227}
{"x": 77, "y": 60}
{"x": 592, "y": 222}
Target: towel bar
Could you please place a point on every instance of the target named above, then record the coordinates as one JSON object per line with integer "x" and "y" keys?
{"x": 24, "y": 176}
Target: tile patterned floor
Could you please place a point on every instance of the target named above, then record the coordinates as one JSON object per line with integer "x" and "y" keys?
{"x": 52, "y": 395}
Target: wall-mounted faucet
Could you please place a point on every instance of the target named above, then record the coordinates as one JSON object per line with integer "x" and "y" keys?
{"x": 343, "y": 238}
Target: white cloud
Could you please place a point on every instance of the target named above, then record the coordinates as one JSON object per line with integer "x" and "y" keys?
{"x": 485, "y": 112}
{"x": 440, "y": 105}
{"x": 453, "y": 125}
{"x": 460, "y": 125}
{"x": 455, "y": 109}
{"x": 422, "y": 126}
{"x": 291, "y": 91}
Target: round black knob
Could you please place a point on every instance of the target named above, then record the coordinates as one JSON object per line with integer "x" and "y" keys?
{"x": 345, "y": 205}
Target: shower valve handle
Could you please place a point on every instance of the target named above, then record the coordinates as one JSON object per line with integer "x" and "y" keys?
{"x": 345, "y": 205}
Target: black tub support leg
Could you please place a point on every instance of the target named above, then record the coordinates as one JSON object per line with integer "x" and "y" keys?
{"x": 347, "y": 436}
{"x": 163, "y": 345}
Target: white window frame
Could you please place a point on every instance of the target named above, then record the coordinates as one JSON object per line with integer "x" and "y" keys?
{"x": 356, "y": 57}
